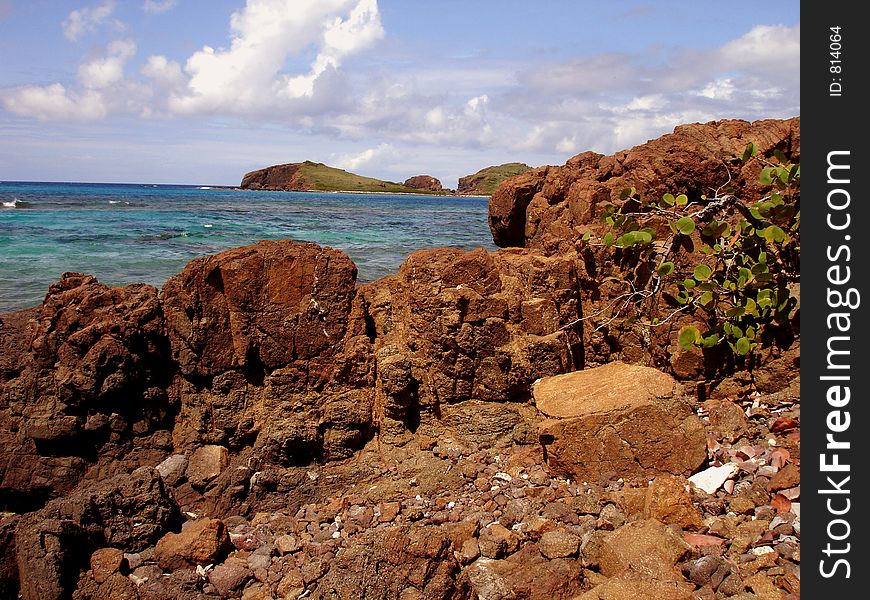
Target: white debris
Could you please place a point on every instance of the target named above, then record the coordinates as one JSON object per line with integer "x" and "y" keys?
{"x": 712, "y": 479}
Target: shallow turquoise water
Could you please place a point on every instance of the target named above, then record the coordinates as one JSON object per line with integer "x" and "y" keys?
{"x": 127, "y": 233}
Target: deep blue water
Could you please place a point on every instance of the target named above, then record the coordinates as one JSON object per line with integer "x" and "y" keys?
{"x": 128, "y": 233}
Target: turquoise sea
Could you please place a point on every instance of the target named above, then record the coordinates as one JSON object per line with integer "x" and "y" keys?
{"x": 128, "y": 233}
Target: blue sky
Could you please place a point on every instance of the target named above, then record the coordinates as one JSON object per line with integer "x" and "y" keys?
{"x": 202, "y": 91}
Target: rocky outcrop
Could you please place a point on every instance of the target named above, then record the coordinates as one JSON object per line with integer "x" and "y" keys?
{"x": 89, "y": 377}
{"x": 444, "y": 432}
{"x": 129, "y": 512}
{"x": 286, "y": 177}
{"x": 487, "y": 180}
{"x": 423, "y": 182}
{"x": 552, "y": 207}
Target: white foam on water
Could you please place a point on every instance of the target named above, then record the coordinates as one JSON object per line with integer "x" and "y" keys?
{"x": 12, "y": 203}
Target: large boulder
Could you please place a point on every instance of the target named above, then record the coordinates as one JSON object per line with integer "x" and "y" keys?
{"x": 620, "y": 419}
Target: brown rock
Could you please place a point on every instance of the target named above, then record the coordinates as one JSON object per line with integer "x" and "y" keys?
{"x": 84, "y": 369}
{"x": 127, "y": 511}
{"x": 669, "y": 501}
{"x": 229, "y": 577}
{"x": 526, "y": 574}
{"x": 383, "y": 563}
{"x": 558, "y": 544}
{"x": 727, "y": 419}
{"x": 788, "y": 477}
{"x": 199, "y": 543}
{"x": 497, "y": 541}
{"x": 260, "y": 306}
{"x": 647, "y": 547}
{"x": 423, "y": 182}
{"x": 206, "y": 463}
{"x": 635, "y": 588}
{"x": 695, "y": 157}
{"x": 618, "y": 418}
{"x": 105, "y": 562}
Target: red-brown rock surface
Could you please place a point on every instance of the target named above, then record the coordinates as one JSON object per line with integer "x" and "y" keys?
{"x": 423, "y": 182}
{"x": 551, "y": 207}
{"x": 333, "y": 440}
{"x": 285, "y": 177}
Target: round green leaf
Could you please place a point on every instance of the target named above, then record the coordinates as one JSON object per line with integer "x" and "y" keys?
{"x": 666, "y": 268}
{"x": 682, "y": 200}
{"x": 627, "y": 193}
{"x": 742, "y": 347}
{"x": 702, "y": 272}
{"x": 685, "y": 225}
{"x": 668, "y": 199}
{"x": 688, "y": 336}
{"x": 608, "y": 239}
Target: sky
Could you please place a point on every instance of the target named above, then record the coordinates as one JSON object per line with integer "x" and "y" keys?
{"x": 203, "y": 91}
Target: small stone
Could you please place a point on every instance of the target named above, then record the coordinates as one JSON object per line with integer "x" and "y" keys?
{"x": 788, "y": 477}
{"x": 558, "y": 544}
{"x": 741, "y": 505}
{"x": 731, "y": 585}
{"x": 206, "y": 463}
{"x": 701, "y": 571}
{"x": 230, "y": 577}
{"x": 200, "y": 543}
{"x": 496, "y": 541}
{"x": 287, "y": 543}
{"x": 389, "y": 512}
{"x": 711, "y": 479}
{"x": 172, "y": 469}
{"x": 105, "y": 562}
{"x": 470, "y": 551}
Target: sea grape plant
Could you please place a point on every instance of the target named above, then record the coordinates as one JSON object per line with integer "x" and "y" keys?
{"x": 737, "y": 282}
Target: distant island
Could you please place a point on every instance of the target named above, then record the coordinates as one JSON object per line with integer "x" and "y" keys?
{"x": 485, "y": 181}
{"x": 313, "y": 176}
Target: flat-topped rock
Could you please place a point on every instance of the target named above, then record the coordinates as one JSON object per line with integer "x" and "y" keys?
{"x": 601, "y": 390}
{"x": 619, "y": 419}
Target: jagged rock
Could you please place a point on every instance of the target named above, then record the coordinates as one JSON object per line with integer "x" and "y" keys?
{"x": 669, "y": 501}
{"x": 647, "y": 547}
{"x": 199, "y": 543}
{"x": 423, "y": 182}
{"x": 382, "y": 564}
{"x": 105, "y": 562}
{"x": 525, "y": 574}
{"x": 619, "y": 418}
{"x": 88, "y": 378}
{"x": 546, "y": 207}
{"x": 497, "y": 541}
{"x": 53, "y": 544}
{"x": 559, "y": 544}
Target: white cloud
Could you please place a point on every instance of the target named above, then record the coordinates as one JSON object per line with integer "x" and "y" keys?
{"x": 248, "y": 76}
{"x": 103, "y": 90}
{"x": 352, "y": 162}
{"x": 106, "y": 71}
{"x": 158, "y": 6}
{"x": 764, "y": 46}
{"x": 53, "y": 102}
{"x": 87, "y": 20}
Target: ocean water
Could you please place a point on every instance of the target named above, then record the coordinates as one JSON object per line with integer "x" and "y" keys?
{"x": 129, "y": 233}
